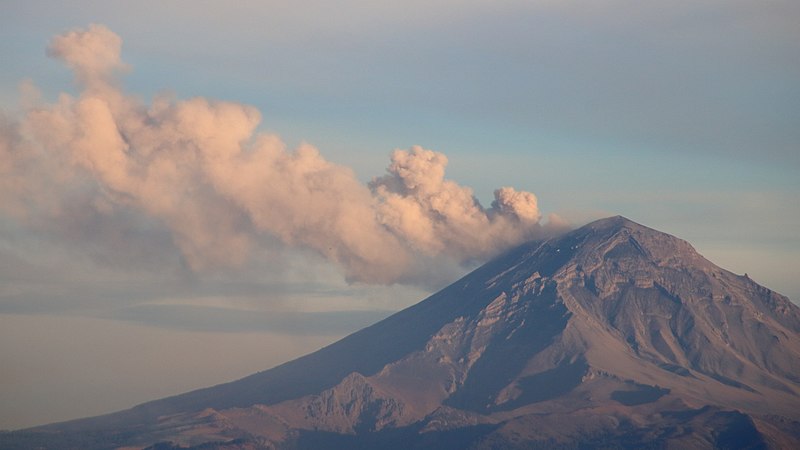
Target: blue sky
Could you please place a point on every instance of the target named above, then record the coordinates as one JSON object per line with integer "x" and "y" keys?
{"x": 683, "y": 116}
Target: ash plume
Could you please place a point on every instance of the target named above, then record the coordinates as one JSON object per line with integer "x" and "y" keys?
{"x": 199, "y": 170}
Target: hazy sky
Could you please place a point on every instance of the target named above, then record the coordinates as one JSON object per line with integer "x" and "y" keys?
{"x": 191, "y": 191}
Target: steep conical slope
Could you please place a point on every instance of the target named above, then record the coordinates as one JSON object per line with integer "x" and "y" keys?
{"x": 613, "y": 334}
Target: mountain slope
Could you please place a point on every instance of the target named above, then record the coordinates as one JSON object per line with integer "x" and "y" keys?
{"x": 612, "y": 335}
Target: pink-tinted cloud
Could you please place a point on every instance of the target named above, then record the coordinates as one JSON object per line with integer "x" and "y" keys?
{"x": 199, "y": 169}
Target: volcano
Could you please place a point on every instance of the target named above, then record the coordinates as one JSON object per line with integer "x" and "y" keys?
{"x": 611, "y": 336}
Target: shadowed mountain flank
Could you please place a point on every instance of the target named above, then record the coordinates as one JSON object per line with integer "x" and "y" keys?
{"x": 613, "y": 335}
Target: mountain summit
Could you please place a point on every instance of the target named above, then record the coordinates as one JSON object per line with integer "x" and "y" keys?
{"x": 613, "y": 335}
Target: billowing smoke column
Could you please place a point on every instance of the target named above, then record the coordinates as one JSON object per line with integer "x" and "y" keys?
{"x": 199, "y": 169}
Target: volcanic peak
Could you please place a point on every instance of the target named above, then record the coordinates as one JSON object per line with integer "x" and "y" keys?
{"x": 612, "y": 331}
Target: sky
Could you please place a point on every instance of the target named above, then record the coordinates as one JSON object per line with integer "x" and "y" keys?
{"x": 194, "y": 191}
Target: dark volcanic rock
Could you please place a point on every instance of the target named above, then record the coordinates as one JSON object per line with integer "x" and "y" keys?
{"x": 613, "y": 335}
